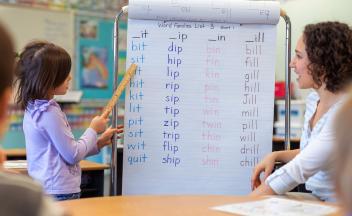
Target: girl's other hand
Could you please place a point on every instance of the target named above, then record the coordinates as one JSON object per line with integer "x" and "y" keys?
{"x": 106, "y": 138}
{"x": 99, "y": 124}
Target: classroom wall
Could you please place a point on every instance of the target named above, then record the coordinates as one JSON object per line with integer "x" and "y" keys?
{"x": 302, "y": 12}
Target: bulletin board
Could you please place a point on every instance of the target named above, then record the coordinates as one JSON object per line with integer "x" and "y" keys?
{"x": 94, "y": 50}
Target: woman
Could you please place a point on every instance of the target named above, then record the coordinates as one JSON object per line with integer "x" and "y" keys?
{"x": 323, "y": 62}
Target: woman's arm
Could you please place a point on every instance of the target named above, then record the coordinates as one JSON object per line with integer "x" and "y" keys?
{"x": 268, "y": 163}
{"x": 312, "y": 159}
{"x": 286, "y": 156}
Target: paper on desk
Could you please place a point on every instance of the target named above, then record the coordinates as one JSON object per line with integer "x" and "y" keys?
{"x": 15, "y": 164}
{"x": 277, "y": 207}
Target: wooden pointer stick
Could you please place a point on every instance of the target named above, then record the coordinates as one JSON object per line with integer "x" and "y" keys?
{"x": 129, "y": 74}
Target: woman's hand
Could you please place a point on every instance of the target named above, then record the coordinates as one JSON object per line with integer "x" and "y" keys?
{"x": 268, "y": 163}
{"x": 106, "y": 137}
{"x": 262, "y": 190}
{"x": 266, "y": 166}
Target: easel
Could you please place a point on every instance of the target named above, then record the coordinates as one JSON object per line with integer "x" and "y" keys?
{"x": 124, "y": 10}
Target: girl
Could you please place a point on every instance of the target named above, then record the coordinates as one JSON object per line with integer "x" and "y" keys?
{"x": 323, "y": 62}
{"x": 53, "y": 154}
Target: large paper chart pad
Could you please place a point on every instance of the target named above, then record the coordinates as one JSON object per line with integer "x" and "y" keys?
{"x": 199, "y": 111}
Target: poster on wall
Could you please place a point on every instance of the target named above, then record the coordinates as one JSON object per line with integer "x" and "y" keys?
{"x": 94, "y": 48}
{"x": 95, "y": 73}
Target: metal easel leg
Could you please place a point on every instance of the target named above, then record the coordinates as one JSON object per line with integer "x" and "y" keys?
{"x": 113, "y": 165}
{"x": 287, "y": 81}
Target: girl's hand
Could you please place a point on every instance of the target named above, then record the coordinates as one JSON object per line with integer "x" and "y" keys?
{"x": 106, "y": 138}
{"x": 99, "y": 124}
{"x": 266, "y": 166}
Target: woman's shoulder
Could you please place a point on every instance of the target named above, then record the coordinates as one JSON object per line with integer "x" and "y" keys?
{"x": 311, "y": 101}
{"x": 312, "y": 97}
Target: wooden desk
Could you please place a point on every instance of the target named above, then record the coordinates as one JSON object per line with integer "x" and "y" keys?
{"x": 85, "y": 166}
{"x": 151, "y": 205}
{"x": 92, "y": 183}
{"x": 15, "y": 154}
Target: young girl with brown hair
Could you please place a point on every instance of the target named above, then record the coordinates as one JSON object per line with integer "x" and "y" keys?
{"x": 53, "y": 154}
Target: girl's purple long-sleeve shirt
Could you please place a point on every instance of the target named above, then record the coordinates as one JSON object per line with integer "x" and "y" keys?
{"x": 53, "y": 154}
